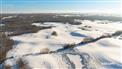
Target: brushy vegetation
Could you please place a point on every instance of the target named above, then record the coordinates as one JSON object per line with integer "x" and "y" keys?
{"x": 54, "y": 33}
{"x": 22, "y": 64}
{"x": 117, "y": 33}
{"x": 7, "y": 67}
{"x": 5, "y": 45}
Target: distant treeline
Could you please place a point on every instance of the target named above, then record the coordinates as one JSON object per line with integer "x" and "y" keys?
{"x": 57, "y": 18}
{"x": 22, "y": 23}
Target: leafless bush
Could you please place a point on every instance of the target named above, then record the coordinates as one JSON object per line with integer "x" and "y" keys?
{"x": 54, "y": 33}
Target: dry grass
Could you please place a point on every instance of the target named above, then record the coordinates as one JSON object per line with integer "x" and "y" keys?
{"x": 44, "y": 50}
{"x": 5, "y": 45}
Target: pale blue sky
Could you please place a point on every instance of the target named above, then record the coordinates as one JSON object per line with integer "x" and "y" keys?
{"x": 48, "y": 6}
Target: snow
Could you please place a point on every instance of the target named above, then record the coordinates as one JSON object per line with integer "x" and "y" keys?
{"x": 35, "y": 42}
{"x": 46, "y": 61}
{"x": 102, "y": 14}
{"x": 70, "y": 15}
{"x": 2, "y": 25}
{"x": 8, "y": 17}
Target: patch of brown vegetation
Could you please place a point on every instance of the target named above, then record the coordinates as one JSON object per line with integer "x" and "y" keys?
{"x": 5, "y": 45}
{"x": 7, "y": 67}
{"x": 22, "y": 64}
{"x": 44, "y": 50}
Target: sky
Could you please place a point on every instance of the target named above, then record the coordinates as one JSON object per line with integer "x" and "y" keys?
{"x": 60, "y": 6}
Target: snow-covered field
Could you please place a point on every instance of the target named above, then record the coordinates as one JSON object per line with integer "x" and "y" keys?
{"x": 105, "y": 53}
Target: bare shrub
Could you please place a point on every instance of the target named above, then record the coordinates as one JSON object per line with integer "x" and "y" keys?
{"x": 54, "y": 33}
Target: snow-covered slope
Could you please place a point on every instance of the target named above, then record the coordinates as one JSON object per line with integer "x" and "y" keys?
{"x": 105, "y": 53}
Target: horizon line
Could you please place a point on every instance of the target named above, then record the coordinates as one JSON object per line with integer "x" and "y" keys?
{"x": 57, "y": 13}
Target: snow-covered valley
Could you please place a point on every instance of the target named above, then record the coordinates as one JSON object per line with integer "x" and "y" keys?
{"x": 103, "y": 54}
